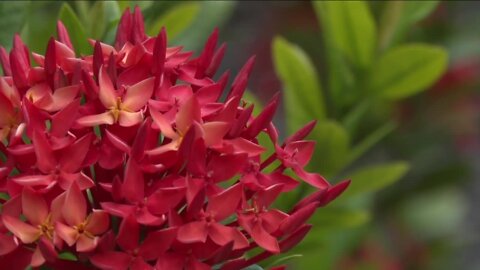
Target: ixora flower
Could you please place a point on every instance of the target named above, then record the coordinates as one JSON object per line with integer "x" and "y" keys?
{"x": 136, "y": 158}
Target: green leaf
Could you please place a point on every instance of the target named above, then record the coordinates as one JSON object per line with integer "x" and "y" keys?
{"x": 407, "y": 70}
{"x": 340, "y": 217}
{"x": 351, "y": 28}
{"x": 4, "y": 196}
{"x": 371, "y": 140}
{"x": 75, "y": 29}
{"x": 373, "y": 178}
{"x": 284, "y": 259}
{"x": 331, "y": 151}
{"x": 12, "y": 16}
{"x": 303, "y": 95}
{"x": 212, "y": 14}
{"x": 67, "y": 256}
{"x": 250, "y": 98}
{"x": 175, "y": 20}
{"x": 253, "y": 267}
{"x": 398, "y": 16}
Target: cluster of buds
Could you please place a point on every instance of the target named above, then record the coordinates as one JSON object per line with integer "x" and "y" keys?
{"x": 135, "y": 158}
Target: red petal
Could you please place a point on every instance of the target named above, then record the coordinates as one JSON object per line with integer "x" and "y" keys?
{"x": 224, "y": 167}
{"x": 111, "y": 260}
{"x": 187, "y": 114}
{"x": 193, "y": 232}
{"x": 34, "y": 180}
{"x": 7, "y": 244}
{"x": 46, "y": 161}
{"x": 334, "y": 191}
{"x": 313, "y": 179}
{"x": 214, "y": 132}
{"x": 297, "y": 219}
{"x": 263, "y": 119}
{"x": 119, "y": 210}
{"x": 75, "y": 207}
{"x": 156, "y": 243}
{"x": 67, "y": 233}
{"x": 137, "y": 95}
{"x": 263, "y": 239}
{"x": 98, "y": 222}
{"x": 86, "y": 244}
{"x": 63, "y": 35}
{"x": 207, "y": 55}
{"x": 222, "y": 235}
{"x": 128, "y": 119}
{"x": 224, "y": 204}
{"x": 240, "y": 82}
{"x": 25, "y": 232}
{"x": 75, "y": 154}
{"x": 128, "y": 234}
{"x": 34, "y": 206}
{"x": 62, "y": 97}
{"x": 165, "y": 199}
{"x": 295, "y": 238}
{"x": 133, "y": 184}
{"x": 106, "y": 92}
{"x": 163, "y": 124}
{"x": 64, "y": 119}
{"x": 105, "y": 118}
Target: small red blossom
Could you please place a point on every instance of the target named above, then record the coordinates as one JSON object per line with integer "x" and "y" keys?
{"x": 135, "y": 157}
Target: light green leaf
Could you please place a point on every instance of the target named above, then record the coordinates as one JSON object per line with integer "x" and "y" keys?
{"x": 97, "y": 11}
{"x": 175, "y": 20}
{"x": 331, "y": 151}
{"x": 303, "y": 95}
{"x": 407, "y": 70}
{"x": 374, "y": 178}
{"x": 351, "y": 28}
{"x": 75, "y": 29}
{"x": 212, "y": 14}
{"x": 398, "y": 16}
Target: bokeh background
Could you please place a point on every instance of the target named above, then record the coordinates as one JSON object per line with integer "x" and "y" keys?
{"x": 394, "y": 87}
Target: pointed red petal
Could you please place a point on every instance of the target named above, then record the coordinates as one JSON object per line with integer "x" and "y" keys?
{"x": 106, "y": 91}
{"x": 74, "y": 155}
{"x": 111, "y": 260}
{"x": 75, "y": 207}
{"x": 133, "y": 184}
{"x": 25, "y": 232}
{"x": 264, "y": 239}
{"x": 224, "y": 204}
{"x": 43, "y": 151}
{"x": 128, "y": 234}
{"x": 128, "y": 119}
{"x": 64, "y": 119}
{"x": 193, "y": 232}
{"x": 98, "y": 222}
{"x": 137, "y": 95}
{"x": 156, "y": 243}
{"x": 34, "y": 206}
{"x": 105, "y": 118}
{"x": 63, "y": 35}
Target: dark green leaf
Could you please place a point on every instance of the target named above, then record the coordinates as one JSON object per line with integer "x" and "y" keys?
{"x": 374, "y": 178}
{"x": 331, "y": 152}
{"x": 407, "y": 70}
{"x": 212, "y": 14}
{"x": 67, "y": 256}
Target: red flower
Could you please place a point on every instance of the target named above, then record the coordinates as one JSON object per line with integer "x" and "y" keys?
{"x": 142, "y": 131}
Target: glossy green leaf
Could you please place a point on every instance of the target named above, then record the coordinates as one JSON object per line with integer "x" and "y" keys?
{"x": 407, "y": 70}
{"x": 374, "y": 178}
{"x": 303, "y": 95}
{"x": 175, "y": 20}
{"x": 75, "y": 29}
{"x": 331, "y": 151}
{"x": 398, "y": 16}
{"x": 212, "y": 14}
{"x": 351, "y": 28}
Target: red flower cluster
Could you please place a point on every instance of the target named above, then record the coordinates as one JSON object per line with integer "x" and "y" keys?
{"x": 132, "y": 158}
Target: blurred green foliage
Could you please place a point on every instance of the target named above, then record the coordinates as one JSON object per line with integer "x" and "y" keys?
{"x": 368, "y": 68}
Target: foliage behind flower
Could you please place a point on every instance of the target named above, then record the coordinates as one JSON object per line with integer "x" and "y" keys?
{"x": 135, "y": 157}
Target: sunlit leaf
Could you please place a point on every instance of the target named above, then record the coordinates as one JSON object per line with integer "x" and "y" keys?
{"x": 407, "y": 70}
{"x": 351, "y": 28}
{"x": 303, "y": 96}
{"x": 75, "y": 29}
